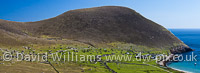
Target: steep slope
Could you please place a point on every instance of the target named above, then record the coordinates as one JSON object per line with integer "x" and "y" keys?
{"x": 10, "y": 26}
{"x": 13, "y": 34}
{"x": 105, "y": 24}
{"x": 8, "y": 33}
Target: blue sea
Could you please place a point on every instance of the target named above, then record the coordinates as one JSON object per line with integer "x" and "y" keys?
{"x": 191, "y": 37}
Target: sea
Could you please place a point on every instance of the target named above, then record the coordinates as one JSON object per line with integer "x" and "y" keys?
{"x": 191, "y": 37}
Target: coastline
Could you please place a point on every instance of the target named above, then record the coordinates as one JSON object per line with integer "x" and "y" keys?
{"x": 167, "y": 61}
{"x": 179, "y": 70}
{"x": 175, "y": 50}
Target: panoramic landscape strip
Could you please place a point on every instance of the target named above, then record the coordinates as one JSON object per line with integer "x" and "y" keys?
{"x": 99, "y": 36}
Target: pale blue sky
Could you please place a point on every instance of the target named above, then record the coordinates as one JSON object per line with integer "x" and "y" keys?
{"x": 169, "y": 13}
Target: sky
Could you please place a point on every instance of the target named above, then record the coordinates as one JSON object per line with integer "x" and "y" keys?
{"x": 168, "y": 13}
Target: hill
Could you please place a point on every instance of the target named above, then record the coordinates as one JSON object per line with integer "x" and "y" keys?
{"x": 98, "y": 25}
{"x": 105, "y": 31}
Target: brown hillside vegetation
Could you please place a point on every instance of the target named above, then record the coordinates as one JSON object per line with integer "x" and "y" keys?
{"x": 97, "y": 25}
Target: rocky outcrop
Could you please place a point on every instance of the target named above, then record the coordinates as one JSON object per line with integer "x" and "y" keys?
{"x": 180, "y": 49}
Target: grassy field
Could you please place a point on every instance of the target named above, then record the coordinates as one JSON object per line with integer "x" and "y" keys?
{"x": 25, "y": 67}
{"x": 65, "y": 66}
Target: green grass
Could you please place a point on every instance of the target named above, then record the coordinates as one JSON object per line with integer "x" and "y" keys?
{"x": 129, "y": 68}
{"x": 99, "y": 67}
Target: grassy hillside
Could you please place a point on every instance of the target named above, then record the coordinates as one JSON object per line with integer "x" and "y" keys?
{"x": 103, "y": 25}
{"x": 98, "y": 25}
